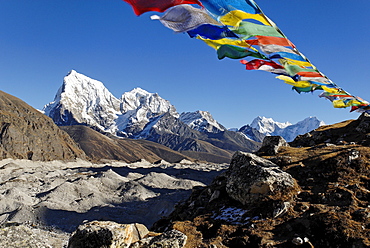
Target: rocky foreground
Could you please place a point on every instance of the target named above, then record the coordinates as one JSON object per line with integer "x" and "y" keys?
{"x": 314, "y": 195}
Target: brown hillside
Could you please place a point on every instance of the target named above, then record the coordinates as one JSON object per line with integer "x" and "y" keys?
{"x": 98, "y": 146}
{"x": 25, "y": 133}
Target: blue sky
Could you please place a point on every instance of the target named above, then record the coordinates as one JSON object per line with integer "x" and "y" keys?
{"x": 42, "y": 40}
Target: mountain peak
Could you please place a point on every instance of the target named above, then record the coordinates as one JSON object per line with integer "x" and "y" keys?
{"x": 138, "y": 90}
{"x": 71, "y": 72}
{"x": 142, "y": 99}
{"x": 267, "y": 125}
{"x": 83, "y": 100}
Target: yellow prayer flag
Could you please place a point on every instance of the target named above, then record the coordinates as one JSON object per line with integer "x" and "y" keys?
{"x": 344, "y": 104}
{"x": 341, "y": 103}
{"x": 299, "y": 63}
{"x": 234, "y": 17}
{"x": 330, "y": 90}
{"x": 290, "y": 81}
{"x": 225, "y": 41}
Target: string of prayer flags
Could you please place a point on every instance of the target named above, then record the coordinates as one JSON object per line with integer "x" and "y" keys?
{"x": 238, "y": 29}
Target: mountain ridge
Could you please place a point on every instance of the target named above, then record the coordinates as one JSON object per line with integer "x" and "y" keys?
{"x": 139, "y": 114}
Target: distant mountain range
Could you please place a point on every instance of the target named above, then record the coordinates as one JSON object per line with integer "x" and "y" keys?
{"x": 262, "y": 126}
{"x": 138, "y": 114}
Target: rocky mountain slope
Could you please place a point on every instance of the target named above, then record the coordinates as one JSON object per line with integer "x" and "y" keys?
{"x": 139, "y": 114}
{"x": 25, "y": 133}
{"x": 316, "y": 194}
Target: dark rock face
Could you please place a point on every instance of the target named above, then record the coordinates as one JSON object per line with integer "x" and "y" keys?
{"x": 25, "y": 133}
{"x": 252, "y": 133}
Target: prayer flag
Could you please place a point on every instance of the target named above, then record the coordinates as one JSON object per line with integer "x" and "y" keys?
{"x": 182, "y": 18}
{"x": 234, "y": 17}
{"x": 234, "y": 52}
{"x": 212, "y": 32}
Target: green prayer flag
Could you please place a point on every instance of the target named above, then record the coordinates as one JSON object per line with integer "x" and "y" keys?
{"x": 234, "y": 52}
{"x": 294, "y": 69}
{"x": 248, "y": 29}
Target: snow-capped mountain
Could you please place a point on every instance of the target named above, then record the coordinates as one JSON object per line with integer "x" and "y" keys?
{"x": 307, "y": 125}
{"x": 82, "y": 100}
{"x": 140, "y": 107}
{"x": 262, "y": 126}
{"x": 268, "y": 126}
{"x": 201, "y": 121}
{"x": 139, "y": 114}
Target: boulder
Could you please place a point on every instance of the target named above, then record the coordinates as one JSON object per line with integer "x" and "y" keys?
{"x": 252, "y": 180}
{"x": 271, "y": 144}
{"x": 106, "y": 234}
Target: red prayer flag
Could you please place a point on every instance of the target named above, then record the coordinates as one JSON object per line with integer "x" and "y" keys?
{"x": 270, "y": 40}
{"x": 309, "y": 74}
{"x": 257, "y": 63}
{"x": 142, "y": 6}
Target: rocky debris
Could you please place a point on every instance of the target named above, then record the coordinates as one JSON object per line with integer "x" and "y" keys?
{"x": 253, "y": 180}
{"x": 108, "y": 234}
{"x": 271, "y": 144}
{"x": 25, "y": 133}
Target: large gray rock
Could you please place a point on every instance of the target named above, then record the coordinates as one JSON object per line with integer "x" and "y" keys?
{"x": 271, "y": 144}
{"x": 252, "y": 180}
{"x": 106, "y": 234}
